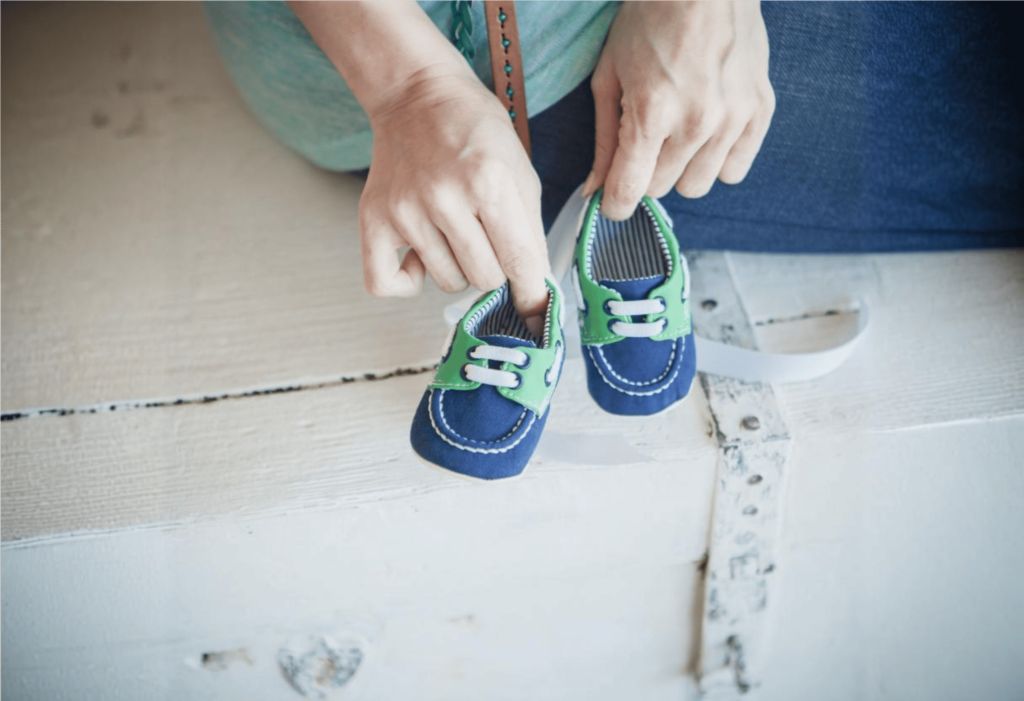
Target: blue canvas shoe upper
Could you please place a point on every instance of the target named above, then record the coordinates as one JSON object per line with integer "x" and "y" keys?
{"x": 485, "y": 409}
{"x": 632, "y": 287}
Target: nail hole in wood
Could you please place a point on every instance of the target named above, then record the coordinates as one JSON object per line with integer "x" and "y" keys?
{"x": 708, "y": 304}
{"x": 751, "y": 423}
{"x": 755, "y": 479}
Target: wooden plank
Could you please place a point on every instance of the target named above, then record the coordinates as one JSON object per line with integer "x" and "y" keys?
{"x": 943, "y": 347}
{"x": 754, "y": 445}
{"x": 336, "y": 446}
{"x": 157, "y": 242}
{"x": 456, "y": 609}
{"x": 898, "y": 566}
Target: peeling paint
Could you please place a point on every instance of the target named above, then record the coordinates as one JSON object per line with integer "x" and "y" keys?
{"x": 315, "y": 667}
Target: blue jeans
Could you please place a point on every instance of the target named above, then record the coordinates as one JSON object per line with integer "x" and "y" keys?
{"x": 898, "y": 127}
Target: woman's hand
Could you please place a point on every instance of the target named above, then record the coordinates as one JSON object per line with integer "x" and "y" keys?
{"x": 450, "y": 180}
{"x": 682, "y": 97}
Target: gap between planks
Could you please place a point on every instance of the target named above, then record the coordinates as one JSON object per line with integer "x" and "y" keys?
{"x": 126, "y": 405}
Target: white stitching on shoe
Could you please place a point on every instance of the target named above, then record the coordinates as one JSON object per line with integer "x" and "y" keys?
{"x": 446, "y": 439}
{"x": 618, "y": 377}
{"x": 590, "y": 349}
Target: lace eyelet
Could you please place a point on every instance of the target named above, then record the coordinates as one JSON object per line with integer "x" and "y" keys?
{"x": 610, "y": 323}
{"x": 527, "y": 363}
{"x": 607, "y": 306}
{"x": 664, "y": 305}
{"x": 469, "y": 352}
{"x": 462, "y": 372}
{"x": 520, "y": 383}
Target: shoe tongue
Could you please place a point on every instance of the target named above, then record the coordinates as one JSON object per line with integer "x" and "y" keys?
{"x": 632, "y": 290}
{"x": 507, "y": 342}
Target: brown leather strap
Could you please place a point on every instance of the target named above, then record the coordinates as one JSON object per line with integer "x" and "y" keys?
{"x": 507, "y": 64}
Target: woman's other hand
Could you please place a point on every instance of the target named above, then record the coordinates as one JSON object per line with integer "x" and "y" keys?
{"x": 682, "y": 97}
{"x": 449, "y": 179}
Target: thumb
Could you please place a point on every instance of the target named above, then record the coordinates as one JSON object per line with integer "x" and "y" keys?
{"x": 607, "y": 95}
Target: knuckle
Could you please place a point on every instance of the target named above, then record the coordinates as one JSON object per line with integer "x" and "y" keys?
{"x": 647, "y": 120}
{"x": 484, "y": 181}
{"x": 515, "y": 263}
{"x": 734, "y": 171}
{"x": 695, "y": 186}
{"x": 451, "y": 285}
{"x": 486, "y": 280}
{"x": 403, "y": 208}
{"x": 375, "y": 286}
{"x": 624, "y": 191}
{"x": 703, "y": 120}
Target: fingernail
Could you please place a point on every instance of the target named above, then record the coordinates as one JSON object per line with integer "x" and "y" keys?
{"x": 587, "y": 185}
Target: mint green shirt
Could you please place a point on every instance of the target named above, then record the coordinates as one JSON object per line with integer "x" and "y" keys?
{"x": 297, "y": 94}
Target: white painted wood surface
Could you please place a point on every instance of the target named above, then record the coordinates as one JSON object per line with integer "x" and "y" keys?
{"x": 186, "y": 254}
{"x": 946, "y": 336}
{"x": 242, "y": 260}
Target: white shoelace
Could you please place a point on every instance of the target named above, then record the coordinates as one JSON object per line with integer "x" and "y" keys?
{"x": 490, "y": 376}
{"x": 633, "y": 308}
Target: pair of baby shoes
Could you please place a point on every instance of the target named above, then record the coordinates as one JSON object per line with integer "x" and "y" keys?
{"x": 485, "y": 409}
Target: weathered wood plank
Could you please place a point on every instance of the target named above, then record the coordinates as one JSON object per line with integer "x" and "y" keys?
{"x": 277, "y": 454}
{"x": 943, "y": 347}
{"x": 898, "y": 566}
{"x": 468, "y": 610}
{"x": 157, "y": 242}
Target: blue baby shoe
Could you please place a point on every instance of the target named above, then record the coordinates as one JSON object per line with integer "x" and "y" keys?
{"x": 485, "y": 409}
{"x": 633, "y": 287}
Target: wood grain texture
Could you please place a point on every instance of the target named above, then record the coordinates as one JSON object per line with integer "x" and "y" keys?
{"x": 157, "y": 242}
{"x": 444, "y": 601}
{"x": 338, "y": 446}
{"x": 943, "y": 346}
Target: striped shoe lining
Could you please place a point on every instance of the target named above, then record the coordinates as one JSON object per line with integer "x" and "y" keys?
{"x": 628, "y": 250}
{"x": 499, "y": 317}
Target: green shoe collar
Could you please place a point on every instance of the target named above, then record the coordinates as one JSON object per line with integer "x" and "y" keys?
{"x": 596, "y": 319}
{"x": 538, "y": 375}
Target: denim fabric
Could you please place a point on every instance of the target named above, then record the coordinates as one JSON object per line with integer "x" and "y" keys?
{"x": 898, "y": 127}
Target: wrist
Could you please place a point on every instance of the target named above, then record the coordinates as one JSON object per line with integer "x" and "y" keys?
{"x": 381, "y": 49}
{"x": 423, "y": 88}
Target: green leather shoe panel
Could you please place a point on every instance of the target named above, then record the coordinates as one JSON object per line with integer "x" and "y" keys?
{"x": 533, "y": 392}
{"x": 595, "y": 320}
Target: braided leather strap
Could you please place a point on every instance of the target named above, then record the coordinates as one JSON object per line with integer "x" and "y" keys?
{"x": 507, "y": 64}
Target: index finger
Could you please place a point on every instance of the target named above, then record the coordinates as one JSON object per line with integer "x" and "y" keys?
{"x": 521, "y": 252}
{"x": 629, "y": 177}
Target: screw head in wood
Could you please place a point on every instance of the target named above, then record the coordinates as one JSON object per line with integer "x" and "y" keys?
{"x": 751, "y": 423}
